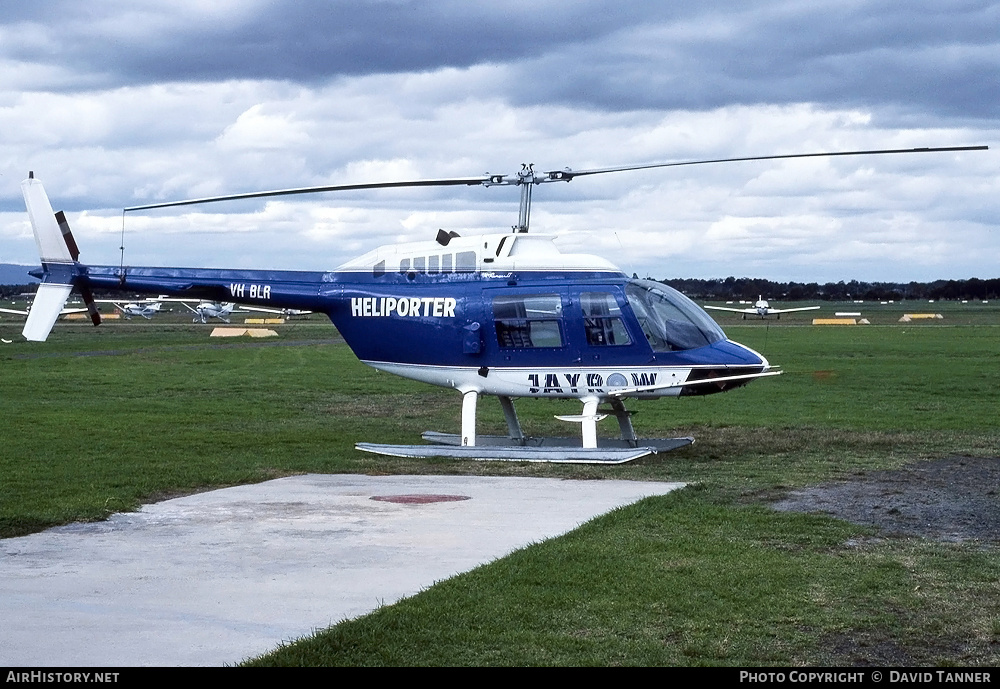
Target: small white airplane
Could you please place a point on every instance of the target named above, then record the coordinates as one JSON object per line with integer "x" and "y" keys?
{"x": 147, "y": 308}
{"x": 204, "y": 310}
{"x": 761, "y": 308}
{"x": 208, "y": 309}
{"x": 290, "y": 313}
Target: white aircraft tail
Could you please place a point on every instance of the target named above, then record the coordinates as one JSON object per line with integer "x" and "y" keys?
{"x": 59, "y": 253}
{"x": 45, "y": 309}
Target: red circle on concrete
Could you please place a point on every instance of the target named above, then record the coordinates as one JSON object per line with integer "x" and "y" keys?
{"x": 420, "y": 498}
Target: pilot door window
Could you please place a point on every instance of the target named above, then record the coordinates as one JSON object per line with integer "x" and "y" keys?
{"x": 528, "y": 321}
{"x": 602, "y": 320}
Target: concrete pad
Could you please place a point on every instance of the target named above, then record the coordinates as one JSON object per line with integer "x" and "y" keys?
{"x": 213, "y": 578}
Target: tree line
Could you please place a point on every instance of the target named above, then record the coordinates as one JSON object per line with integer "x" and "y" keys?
{"x": 732, "y": 289}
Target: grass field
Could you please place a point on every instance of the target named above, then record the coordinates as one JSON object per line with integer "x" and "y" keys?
{"x": 102, "y": 420}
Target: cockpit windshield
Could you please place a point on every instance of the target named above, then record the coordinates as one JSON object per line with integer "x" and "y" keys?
{"x": 670, "y": 321}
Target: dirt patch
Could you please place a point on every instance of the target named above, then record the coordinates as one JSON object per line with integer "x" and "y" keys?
{"x": 953, "y": 499}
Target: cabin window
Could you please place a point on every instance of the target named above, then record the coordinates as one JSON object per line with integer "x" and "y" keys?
{"x": 669, "y": 320}
{"x": 446, "y": 263}
{"x": 465, "y": 262}
{"x": 602, "y": 320}
{"x": 418, "y": 264}
{"x": 379, "y": 269}
{"x": 404, "y": 266}
{"x": 432, "y": 264}
{"x": 528, "y": 321}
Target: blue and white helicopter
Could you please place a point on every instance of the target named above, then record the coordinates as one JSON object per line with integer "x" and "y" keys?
{"x": 506, "y": 315}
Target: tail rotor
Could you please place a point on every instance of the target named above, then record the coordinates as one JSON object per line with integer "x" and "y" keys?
{"x": 74, "y": 251}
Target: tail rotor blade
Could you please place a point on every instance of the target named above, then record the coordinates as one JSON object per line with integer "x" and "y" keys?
{"x": 88, "y": 299}
{"x": 74, "y": 250}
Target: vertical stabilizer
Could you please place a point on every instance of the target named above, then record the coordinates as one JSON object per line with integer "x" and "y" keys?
{"x": 48, "y": 237}
{"x": 48, "y": 304}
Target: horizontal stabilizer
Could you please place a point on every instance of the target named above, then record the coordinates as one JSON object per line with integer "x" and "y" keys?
{"x": 48, "y": 304}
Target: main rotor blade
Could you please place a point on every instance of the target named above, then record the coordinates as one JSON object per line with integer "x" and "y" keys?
{"x": 527, "y": 179}
{"x": 467, "y": 181}
{"x": 560, "y": 175}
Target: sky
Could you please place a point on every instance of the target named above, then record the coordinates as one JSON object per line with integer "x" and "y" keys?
{"x": 124, "y": 102}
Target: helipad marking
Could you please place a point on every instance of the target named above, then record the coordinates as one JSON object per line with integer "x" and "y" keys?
{"x": 420, "y": 498}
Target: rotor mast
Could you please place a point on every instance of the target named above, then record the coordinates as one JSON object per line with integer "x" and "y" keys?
{"x": 526, "y": 178}
{"x": 524, "y": 214}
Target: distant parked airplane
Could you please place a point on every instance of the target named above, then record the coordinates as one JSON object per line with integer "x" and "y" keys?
{"x": 761, "y": 308}
{"x": 147, "y": 308}
{"x": 204, "y": 310}
{"x": 208, "y": 309}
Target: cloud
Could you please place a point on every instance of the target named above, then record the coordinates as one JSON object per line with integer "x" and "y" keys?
{"x": 303, "y": 41}
{"x": 127, "y": 102}
{"x": 592, "y": 54}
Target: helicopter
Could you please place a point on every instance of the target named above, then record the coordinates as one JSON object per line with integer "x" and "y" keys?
{"x": 506, "y": 315}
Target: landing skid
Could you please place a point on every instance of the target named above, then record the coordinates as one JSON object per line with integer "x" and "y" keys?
{"x": 652, "y": 444}
{"x": 517, "y": 447}
{"x": 503, "y": 449}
